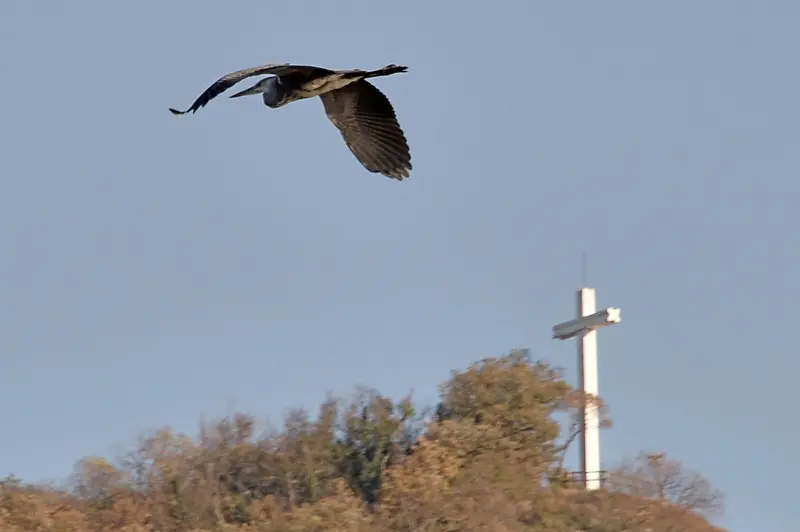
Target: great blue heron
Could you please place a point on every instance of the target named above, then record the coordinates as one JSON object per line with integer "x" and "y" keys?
{"x": 362, "y": 113}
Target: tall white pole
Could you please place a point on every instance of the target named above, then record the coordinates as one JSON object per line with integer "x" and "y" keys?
{"x": 587, "y": 376}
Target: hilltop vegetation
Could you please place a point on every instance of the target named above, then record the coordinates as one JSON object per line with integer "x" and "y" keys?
{"x": 489, "y": 458}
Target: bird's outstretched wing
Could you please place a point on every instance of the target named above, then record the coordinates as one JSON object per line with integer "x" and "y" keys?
{"x": 227, "y": 81}
{"x": 368, "y": 124}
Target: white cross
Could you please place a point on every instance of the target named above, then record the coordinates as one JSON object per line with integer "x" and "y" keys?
{"x": 583, "y": 327}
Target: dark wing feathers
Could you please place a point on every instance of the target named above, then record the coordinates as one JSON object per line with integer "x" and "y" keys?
{"x": 302, "y": 72}
{"x": 368, "y": 124}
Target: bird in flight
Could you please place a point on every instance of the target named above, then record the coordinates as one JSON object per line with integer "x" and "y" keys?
{"x": 363, "y": 114}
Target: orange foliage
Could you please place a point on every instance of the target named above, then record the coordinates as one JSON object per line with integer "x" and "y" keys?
{"x": 481, "y": 463}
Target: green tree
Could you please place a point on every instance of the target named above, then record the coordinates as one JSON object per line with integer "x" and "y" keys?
{"x": 373, "y": 435}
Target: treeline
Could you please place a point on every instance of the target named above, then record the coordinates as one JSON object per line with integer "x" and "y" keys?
{"x": 488, "y": 457}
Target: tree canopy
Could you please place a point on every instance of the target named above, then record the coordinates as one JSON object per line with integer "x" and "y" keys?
{"x": 490, "y": 457}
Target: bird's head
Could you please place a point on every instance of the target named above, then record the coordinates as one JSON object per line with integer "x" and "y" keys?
{"x": 259, "y": 88}
{"x": 270, "y": 88}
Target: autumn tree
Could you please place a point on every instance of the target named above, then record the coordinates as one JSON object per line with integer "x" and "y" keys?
{"x": 25, "y": 507}
{"x": 655, "y": 476}
{"x": 96, "y": 478}
{"x": 485, "y": 461}
{"x": 341, "y": 510}
{"x": 305, "y": 454}
{"x": 484, "y": 456}
{"x": 603, "y": 511}
{"x": 509, "y": 403}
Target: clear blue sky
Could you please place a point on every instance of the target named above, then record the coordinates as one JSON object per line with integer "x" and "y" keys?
{"x": 158, "y": 269}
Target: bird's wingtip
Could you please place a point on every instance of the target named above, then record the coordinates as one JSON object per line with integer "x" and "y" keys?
{"x": 399, "y": 174}
{"x": 176, "y": 112}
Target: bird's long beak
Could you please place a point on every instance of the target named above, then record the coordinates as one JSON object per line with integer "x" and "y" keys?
{"x": 255, "y": 89}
